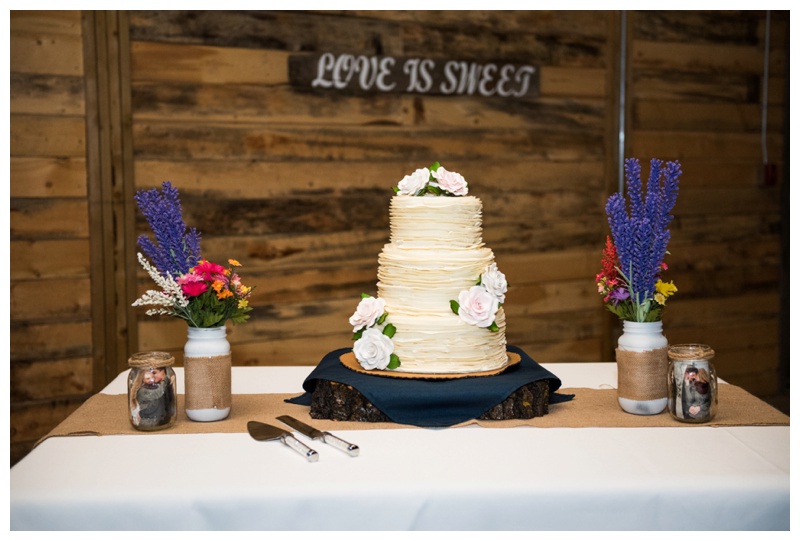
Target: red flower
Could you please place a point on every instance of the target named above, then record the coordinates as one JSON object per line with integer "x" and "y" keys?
{"x": 610, "y": 261}
{"x": 192, "y": 285}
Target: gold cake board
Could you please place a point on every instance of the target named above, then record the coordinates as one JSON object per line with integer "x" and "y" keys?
{"x": 349, "y": 361}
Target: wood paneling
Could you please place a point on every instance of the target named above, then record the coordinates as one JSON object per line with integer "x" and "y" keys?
{"x": 696, "y": 96}
{"x": 296, "y": 184}
{"x": 51, "y": 341}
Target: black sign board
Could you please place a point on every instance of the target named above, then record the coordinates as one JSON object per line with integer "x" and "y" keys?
{"x": 362, "y": 74}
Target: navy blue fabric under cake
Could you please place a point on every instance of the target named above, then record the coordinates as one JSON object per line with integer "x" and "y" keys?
{"x": 432, "y": 402}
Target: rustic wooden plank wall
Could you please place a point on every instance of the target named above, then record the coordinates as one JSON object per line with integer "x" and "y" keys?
{"x": 296, "y": 184}
{"x": 695, "y": 92}
{"x": 51, "y": 332}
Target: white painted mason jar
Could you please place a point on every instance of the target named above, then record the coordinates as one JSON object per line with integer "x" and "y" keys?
{"x": 207, "y": 374}
{"x": 642, "y": 365}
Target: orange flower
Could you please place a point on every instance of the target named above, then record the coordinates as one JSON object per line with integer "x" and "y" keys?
{"x": 234, "y": 263}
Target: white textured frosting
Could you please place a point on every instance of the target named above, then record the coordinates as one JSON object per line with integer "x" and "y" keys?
{"x": 436, "y": 251}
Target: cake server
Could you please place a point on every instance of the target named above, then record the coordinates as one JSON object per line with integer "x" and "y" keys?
{"x": 263, "y": 432}
{"x": 314, "y": 434}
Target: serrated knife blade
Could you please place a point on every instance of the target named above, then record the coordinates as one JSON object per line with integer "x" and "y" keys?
{"x": 314, "y": 434}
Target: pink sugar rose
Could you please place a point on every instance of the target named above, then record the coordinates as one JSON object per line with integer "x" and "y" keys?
{"x": 367, "y": 313}
{"x": 451, "y": 181}
{"x": 477, "y": 306}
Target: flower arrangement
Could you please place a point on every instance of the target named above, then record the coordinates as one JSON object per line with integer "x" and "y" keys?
{"x": 633, "y": 257}
{"x": 202, "y": 293}
{"x": 373, "y": 345}
{"x": 479, "y": 304}
{"x": 433, "y": 180}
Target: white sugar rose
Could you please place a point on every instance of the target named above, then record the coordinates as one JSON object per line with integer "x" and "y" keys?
{"x": 373, "y": 350}
{"x": 367, "y": 313}
{"x": 413, "y": 183}
{"x": 477, "y": 306}
{"x": 495, "y": 282}
{"x": 451, "y": 181}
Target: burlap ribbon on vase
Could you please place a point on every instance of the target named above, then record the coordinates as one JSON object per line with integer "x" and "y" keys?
{"x": 208, "y": 382}
{"x": 642, "y": 375}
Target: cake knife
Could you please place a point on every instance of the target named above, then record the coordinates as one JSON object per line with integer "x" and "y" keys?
{"x": 263, "y": 432}
{"x": 315, "y": 434}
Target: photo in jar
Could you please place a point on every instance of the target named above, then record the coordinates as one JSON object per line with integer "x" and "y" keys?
{"x": 691, "y": 393}
{"x": 151, "y": 397}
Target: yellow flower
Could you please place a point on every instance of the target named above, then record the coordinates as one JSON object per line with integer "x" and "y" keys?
{"x": 660, "y": 299}
{"x": 234, "y": 263}
{"x": 242, "y": 303}
{"x": 665, "y": 289}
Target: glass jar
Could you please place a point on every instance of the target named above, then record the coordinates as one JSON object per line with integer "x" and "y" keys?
{"x": 692, "y": 383}
{"x": 641, "y": 365}
{"x": 207, "y": 374}
{"x": 152, "y": 391}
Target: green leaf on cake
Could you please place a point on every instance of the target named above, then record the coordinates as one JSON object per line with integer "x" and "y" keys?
{"x": 389, "y": 330}
{"x": 394, "y": 361}
{"x": 395, "y": 189}
{"x": 434, "y": 167}
{"x": 454, "y": 306}
{"x": 357, "y": 336}
{"x": 381, "y": 319}
{"x": 493, "y": 327}
{"x": 365, "y": 296}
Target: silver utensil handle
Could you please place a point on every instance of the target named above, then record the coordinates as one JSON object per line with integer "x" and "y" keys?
{"x": 310, "y": 454}
{"x": 339, "y": 443}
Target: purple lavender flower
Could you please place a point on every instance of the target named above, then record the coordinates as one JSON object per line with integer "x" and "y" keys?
{"x": 641, "y": 230}
{"x": 176, "y": 250}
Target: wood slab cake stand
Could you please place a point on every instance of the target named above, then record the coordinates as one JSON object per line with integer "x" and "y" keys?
{"x": 341, "y": 402}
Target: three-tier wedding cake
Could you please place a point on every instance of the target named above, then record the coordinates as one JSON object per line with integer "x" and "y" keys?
{"x": 438, "y": 308}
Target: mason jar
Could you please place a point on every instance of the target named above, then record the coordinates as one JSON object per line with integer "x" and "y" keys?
{"x": 152, "y": 391}
{"x": 692, "y": 383}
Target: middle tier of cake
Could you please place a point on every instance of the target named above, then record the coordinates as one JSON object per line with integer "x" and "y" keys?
{"x": 417, "y": 286}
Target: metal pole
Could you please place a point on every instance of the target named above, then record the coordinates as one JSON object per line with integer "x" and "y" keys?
{"x": 623, "y": 53}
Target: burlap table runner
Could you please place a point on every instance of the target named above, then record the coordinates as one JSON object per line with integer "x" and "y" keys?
{"x": 107, "y": 415}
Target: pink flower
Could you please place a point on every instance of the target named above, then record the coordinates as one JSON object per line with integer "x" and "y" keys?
{"x": 451, "y": 181}
{"x": 208, "y": 270}
{"x": 368, "y": 311}
{"x": 477, "y": 306}
{"x": 192, "y": 285}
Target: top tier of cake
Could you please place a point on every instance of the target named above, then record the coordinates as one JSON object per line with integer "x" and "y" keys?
{"x": 436, "y": 222}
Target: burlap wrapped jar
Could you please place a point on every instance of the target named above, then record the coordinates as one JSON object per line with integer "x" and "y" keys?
{"x": 642, "y": 368}
{"x": 207, "y": 374}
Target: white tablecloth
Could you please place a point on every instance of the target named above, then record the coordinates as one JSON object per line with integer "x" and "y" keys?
{"x": 471, "y": 478}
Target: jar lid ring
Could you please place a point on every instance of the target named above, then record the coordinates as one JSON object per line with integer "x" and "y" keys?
{"x": 156, "y": 359}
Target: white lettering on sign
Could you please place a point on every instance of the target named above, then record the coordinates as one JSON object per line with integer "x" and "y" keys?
{"x": 422, "y": 76}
